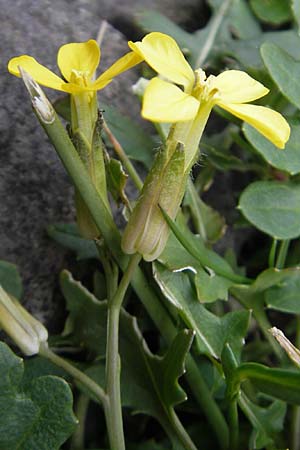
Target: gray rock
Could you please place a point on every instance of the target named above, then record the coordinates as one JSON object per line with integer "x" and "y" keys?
{"x": 122, "y": 15}
{"x": 34, "y": 188}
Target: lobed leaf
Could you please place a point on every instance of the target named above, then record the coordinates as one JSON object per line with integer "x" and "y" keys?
{"x": 86, "y": 323}
{"x": 35, "y": 416}
{"x": 212, "y": 332}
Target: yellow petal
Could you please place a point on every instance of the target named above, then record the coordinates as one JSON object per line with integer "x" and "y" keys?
{"x": 165, "y": 102}
{"x": 269, "y": 123}
{"x": 82, "y": 57}
{"x": 39, "y": 73}
{"x": 162, "y": 53}
{"x": 236, "y": 86}
{"x": 127, "y": 61}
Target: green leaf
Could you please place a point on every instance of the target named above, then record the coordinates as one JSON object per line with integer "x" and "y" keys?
{"x": 267, "y": 422}
{"x": 154, "y": 388}
{"x": 87, "y": 315}
{"x": 284, "y": 296}
{"x": 269, "y": 283}
{"x": 209, "y": 223}
{"x": 222, "y": 160}
{"x": 212, "y": 332}
{"x": 195, "y": 246}
{"x": 273, "y": 208}
{"x": 246, "y": 51}
{"x": 137, "y": 144}
{"x": 39, "y": 366}
{"x": 284, "y": 70}
{"x": 241, "y": 21}
{"x": 210, "y": 287}
{"x": 10, "y": 279}
{"x": 278, "y": 383}
{"x": 67, "y": 235}
{"x": 287, "y": 159}
{"x": 237, "y": 20}
{"x": 37, "y": 416}
{"x": 275, "y": 12}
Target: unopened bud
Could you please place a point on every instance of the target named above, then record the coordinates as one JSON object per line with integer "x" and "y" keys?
{"x": 27, "y": 332}
{"x": 41, "y": 104}
{"x": 147, "y": 231}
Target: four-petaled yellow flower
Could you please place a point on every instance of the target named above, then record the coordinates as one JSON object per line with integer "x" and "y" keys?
{"x": 166, "y": 101}
{"x": 77, "y": 63}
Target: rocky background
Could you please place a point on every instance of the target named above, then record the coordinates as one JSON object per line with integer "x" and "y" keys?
{"x": 34, "y": 188}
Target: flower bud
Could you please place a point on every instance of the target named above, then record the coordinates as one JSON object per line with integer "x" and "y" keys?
{"x": 27, "y": 332}
{"x": 147, "y": 231}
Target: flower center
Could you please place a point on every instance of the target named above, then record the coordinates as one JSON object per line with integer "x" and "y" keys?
{"x": 203, "y": 88}
{"x": 80, "y": 77}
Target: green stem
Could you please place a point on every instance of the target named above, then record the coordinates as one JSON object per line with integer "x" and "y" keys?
{"x": 93, "y": 387}
{"x": 123, "y": 157}
{"x": 264, "y": 324}
{"x": 212, "y": 34}
{"x": 233, "y": 425}
{"x": 282, "y": 254}
{"x": 272, "y": 253}
{"x": 206, "y": 401}
{"x": 195, "y": 210}
{"x": 255, "y": 305}
{"x": 182, "y": 435}
{"x": 77, "y": 440}
{"x": 295, "y": 428}
{"x": 110, "y": 269}
{"x": 113, "y": 410}
{"x": 147, "y": 295}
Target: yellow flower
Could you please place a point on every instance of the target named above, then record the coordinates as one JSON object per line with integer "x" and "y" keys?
{"x": 77, "y": 63}
{"x": 178, "y": 97}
